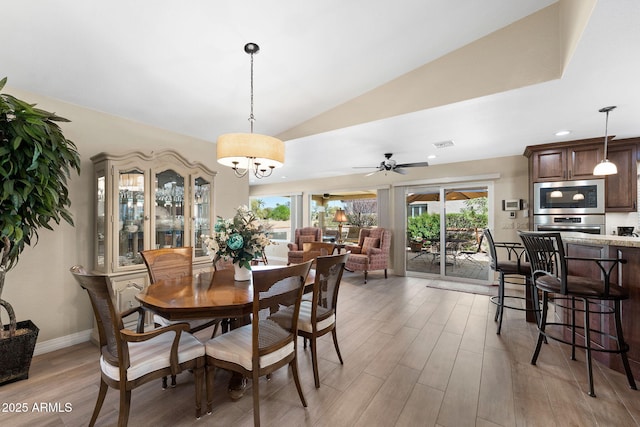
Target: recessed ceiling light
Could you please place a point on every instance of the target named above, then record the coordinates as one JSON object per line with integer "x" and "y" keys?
{"x": 563, "y": 133}
{"x": 431, "y": 156}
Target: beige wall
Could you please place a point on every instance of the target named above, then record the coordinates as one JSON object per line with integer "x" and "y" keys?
{"x": 40, "y": 287}
{"x": 511, "y": 184}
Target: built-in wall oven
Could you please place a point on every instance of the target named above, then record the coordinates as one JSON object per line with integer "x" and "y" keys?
{"x": 569, "y": 206}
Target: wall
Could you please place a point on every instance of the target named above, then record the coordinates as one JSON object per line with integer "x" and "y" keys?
{"x": 40, "y": 287}
{"x": 512, "y": 183}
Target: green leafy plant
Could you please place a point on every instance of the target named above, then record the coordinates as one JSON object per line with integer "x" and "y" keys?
{"x": 35, "y": 162}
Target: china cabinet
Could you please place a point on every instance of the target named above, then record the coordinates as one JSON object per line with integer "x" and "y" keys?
{"x": 145, "y": 201}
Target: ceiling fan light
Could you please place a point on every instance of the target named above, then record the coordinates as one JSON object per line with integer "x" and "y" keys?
{"x": 605, "y": 167}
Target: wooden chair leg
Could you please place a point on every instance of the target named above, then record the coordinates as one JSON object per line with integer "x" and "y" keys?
{"x": 125, "y": 405}
{"x": 101, "y": 395}
{"x": 210, "y": 371}
{"x": 314, "y": 362}
{"x": 296, "y": 379}
{"x": 198, "y": 373}
{"x": 256, "y": 398}
{"x": 335, "y": 344}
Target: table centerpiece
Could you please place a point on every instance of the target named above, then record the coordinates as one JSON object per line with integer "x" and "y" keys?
{"x": 240, "y": 239}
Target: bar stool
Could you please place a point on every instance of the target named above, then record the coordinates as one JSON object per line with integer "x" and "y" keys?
{"x": 550, "y": 276}
{"x": 514, "y": 265}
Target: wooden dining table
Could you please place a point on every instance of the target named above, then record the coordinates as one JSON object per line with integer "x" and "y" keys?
{"x": 207, "y": 295}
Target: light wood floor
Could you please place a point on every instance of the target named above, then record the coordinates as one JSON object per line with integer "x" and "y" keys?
{"x": 414, "y": 356}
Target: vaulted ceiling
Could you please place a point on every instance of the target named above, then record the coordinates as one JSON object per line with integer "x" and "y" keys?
{"x": 341, "y": 82}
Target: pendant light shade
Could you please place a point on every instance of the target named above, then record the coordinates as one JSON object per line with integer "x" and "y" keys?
{"x": 245, "y": 152}
{"x": 605, "y": 167}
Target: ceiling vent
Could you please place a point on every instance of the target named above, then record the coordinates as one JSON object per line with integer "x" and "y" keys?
{"x": 443, "y": 144}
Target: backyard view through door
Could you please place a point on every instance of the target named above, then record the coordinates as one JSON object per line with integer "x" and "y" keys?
{"x": 444, "y": 232}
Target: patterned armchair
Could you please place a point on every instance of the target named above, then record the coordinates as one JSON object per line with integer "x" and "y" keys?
{"x": 371, "y": 253}
{"x": 301, "y": 236}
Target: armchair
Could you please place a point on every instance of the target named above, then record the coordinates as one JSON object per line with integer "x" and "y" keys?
{"x": 371, "y": 252}
{"x": 301, "y": 236}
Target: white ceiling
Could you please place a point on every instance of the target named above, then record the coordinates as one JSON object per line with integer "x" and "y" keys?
{"x": 181, "y": 66}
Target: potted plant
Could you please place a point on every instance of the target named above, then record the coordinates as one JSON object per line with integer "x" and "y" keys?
{"x": 35, "y": 162}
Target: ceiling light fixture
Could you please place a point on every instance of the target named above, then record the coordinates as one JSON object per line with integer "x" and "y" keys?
{"x": 250, "y": 151}
{"x": 562, "y": 133}
{"x": 605, "y": 167}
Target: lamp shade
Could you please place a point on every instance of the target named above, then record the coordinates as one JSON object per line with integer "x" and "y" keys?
{"x": 605, "y": 167}
{"x": 234, "y": 149}
{"x": 340, "y": 216}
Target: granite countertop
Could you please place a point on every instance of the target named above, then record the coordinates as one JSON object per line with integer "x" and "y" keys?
{"x": 600, "y": 239}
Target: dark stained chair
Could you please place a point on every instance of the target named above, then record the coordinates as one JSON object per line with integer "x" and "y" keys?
{"x": 316, "y": 320}
{"x": 263, "y": 346}
{"x": 576, "y": 294}
{"x": 129, "y": 359}
{"x": 173, "y": 263}
{"x": 514, "y": 266}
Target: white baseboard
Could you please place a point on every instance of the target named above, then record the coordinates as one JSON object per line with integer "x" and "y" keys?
{"x": 62, "y": 342}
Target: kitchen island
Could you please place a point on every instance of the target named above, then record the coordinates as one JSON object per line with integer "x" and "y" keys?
{"x": 627, "y": 275}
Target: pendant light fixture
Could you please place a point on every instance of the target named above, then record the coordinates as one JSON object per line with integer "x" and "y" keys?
{"x": 605, "y": 167}
{"x": 250, "y": 151}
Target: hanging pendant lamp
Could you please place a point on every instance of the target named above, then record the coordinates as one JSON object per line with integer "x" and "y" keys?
{"x": 605, "y": 167}
{"x": 245, "y": 152}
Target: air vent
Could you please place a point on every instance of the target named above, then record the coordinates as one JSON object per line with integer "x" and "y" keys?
{"x": 443, "y": 144}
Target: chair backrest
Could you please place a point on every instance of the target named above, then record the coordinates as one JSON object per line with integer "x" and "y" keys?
{"x": 329, "y": 271}
{"x": 168, "y": 263}
{"x": 307, "y": 234}
{"x": 492, "y": 248}
{"x": 381, "y": 239}
{"x": 108, "y": 318}
{"x": 546, "y": 256}
{"x": 275, "y": 289}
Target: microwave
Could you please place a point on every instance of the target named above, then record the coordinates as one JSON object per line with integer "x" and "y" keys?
{"x": 569, "y": 197}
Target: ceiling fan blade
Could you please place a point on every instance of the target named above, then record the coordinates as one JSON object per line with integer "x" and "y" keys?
{"x": 398, "y": 170}
{"x": 371, "y": 173}
{"x": 413, "y": 165}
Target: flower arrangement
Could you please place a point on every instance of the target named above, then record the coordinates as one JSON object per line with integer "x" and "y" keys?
{"x": 241, "y": 238}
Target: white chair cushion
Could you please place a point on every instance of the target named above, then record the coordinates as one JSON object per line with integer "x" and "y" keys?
{"x": 162, "y": 321}
{"x": 235, "y": 346}
{"x": 151, "y": 355}
{"x": 304, "y": 319}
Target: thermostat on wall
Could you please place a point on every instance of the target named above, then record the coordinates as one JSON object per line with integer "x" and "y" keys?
{"x": 512, "y": 205}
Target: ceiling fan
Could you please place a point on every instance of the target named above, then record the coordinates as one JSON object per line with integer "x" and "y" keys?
{"x": 390, "y": 165}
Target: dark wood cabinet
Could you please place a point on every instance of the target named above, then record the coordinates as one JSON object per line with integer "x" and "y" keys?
{"x": 622, "y": 189}
{"x": 575, "y": 160}
{"x": 566, "y": 163}
{"x": 627, "y": 276}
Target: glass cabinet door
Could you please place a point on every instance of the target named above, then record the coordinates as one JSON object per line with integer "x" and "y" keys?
{"x": 130, "y": 217}
{"x": 101, "y": 224}
{"x": 169, "y": 209}
{"x": 201, "y": 214}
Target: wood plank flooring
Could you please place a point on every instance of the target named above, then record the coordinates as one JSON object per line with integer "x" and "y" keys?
{"x": 413, "y": 356}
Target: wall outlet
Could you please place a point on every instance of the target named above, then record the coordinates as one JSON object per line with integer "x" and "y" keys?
{"x": 512, "y": 214}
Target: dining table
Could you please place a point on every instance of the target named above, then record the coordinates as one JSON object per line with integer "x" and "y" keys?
{"x": 207, "y": 295}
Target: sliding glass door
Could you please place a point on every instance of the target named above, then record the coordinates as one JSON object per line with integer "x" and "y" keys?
{"x": 444, "y": 231}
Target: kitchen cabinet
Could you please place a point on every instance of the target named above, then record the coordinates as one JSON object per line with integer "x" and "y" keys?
{"x": 575, "y": 160}
{"x": 621, "y": 190}
{"x": 566, "y": 163}
{"x": 146, "y": 201}
{"x": 625, "y": 275}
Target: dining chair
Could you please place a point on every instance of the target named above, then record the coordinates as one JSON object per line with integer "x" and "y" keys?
{"x": 173, "y": 263}
{"x": 263, "y": 346}
{"x": 513, "y": 267}
{"x": 598, "y": 297}
{"x": 318, "y": 313}
{"x": 129, "y": 358}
